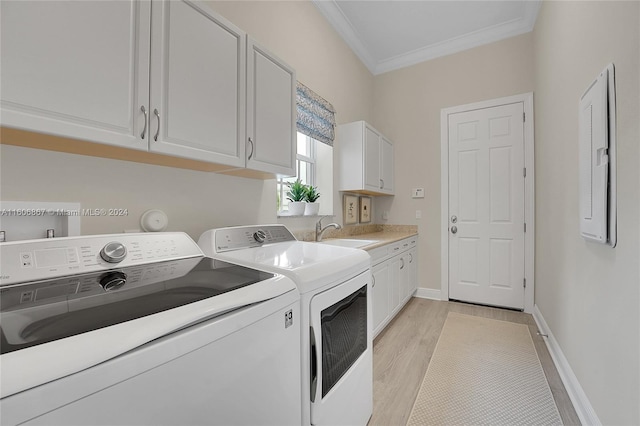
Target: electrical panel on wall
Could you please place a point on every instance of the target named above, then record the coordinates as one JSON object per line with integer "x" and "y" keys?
{"x": 597, "y": 140}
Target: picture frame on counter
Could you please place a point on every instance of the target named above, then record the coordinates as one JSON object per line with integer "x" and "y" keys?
{"x": 350, "y": 203}
{"x": 365, "y": 209}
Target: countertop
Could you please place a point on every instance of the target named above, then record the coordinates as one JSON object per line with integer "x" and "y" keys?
{"x": 382, "y": 234}
{"x": 382, "y": 238}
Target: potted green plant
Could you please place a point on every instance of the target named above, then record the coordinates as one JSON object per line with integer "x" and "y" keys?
{"x": 311, "y": 196}
{"x": 296, "y": 195}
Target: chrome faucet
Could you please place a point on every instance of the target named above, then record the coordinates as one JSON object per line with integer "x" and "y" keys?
{"x": 320, "y": 230}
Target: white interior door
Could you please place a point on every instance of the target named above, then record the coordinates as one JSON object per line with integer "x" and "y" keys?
{"x": 486, "y": 206}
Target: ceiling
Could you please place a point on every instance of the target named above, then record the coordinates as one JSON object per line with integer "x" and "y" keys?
{"x": 392, "y": 34}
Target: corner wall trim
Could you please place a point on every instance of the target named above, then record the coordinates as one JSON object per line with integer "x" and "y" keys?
{"x": 581, "y": 403}
{"x": 428, "y": 293}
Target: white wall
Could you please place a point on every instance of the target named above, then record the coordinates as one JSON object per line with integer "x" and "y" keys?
{"x": 297, "y": 32}
{"x": 195, "y": 201}
{"x": 407, "y": 106}
{"x": 589, "y": 293}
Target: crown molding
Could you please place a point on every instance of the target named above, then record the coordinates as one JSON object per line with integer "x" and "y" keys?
{"x": 345, "y": 29}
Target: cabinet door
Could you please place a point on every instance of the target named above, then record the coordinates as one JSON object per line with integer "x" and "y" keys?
{"x": 371, "y": 160}
{"x": 197, "y": 84}
{"x": 395, "y": 277}
{"x": 78, "y": 69}
{"x": 381, "y": 296}
{"x": 386, "y": 165}
{"x": 271, "y": 113}
{"x": 413, "y": 270}
{"x": 403, "y": 283}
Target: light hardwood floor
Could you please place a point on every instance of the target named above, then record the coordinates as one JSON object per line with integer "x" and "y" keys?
{"x": 401, "y": 354}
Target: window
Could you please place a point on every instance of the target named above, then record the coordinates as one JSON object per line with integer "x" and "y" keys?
{"x": 314, "y": 166}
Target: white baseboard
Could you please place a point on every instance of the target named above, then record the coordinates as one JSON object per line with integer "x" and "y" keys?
{"x": 581, "y": 403}
{"x": 428, "y": 293}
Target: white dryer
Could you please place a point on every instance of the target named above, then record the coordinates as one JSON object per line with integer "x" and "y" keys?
{"x": 335, "y": 291}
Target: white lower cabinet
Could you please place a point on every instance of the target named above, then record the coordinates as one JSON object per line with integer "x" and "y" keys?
{"x": 381, "y": 288}
{"x": 395, "y": 279}
{"x": 413, "y": 270}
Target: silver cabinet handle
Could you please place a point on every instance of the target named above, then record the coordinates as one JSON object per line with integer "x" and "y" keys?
{"x": 373, "y": 277}
{"x": 155, "y": 137}
{"x": 381, "y": 183}
{"x": 410, "y": 258}
{"x": 454, "y": 229}
{"x": 251, "y": 155}
{"x": 146, "y": 120}
{"x": 402, "y": 266}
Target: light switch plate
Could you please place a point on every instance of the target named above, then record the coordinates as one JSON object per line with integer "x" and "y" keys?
{"x": 417, "y": 192}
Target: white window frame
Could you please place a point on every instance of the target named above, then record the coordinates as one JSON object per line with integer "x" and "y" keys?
{"x": 281, "y": 183}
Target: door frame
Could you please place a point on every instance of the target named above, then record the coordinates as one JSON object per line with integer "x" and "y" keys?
{"x": 529, "y": 191}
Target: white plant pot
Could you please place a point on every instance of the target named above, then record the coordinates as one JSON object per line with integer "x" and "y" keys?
{"x": 296, "y": 208}
{"x": 311, "y": 209}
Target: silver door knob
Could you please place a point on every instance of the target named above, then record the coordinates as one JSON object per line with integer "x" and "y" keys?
{"x": 454, "y": 229}
{"x": 454, "y": 219}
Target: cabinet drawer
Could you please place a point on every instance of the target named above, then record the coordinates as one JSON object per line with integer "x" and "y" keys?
{"x": 395, "y": 248}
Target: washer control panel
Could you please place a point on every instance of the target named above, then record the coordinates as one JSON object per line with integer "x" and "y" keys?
{"x": 33, "y": 260}
{"x": 241, "y": 237}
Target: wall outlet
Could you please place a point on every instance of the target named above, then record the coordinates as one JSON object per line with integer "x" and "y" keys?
{"x": 417, "y": 192}
{"x": 418, "y": 214}
{"x": 385, "y": 215}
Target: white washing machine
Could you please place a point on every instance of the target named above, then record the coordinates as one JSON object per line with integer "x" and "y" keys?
{"x": 335, "y": 290}
{"x": 144, "y": 329}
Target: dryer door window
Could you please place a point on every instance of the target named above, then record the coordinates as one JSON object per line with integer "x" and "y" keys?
{"x": 344, "y": 336}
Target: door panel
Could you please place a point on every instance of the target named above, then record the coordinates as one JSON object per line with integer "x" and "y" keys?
{"x": 386, "y": 165}
{"x": 197, "y": 84}
{"x": 486, "y": 196}
{"x": 76, "y": 69}
{"x": 371, "y": 159}
{"x": 349, "y": 400}
{"x": 271, "y": 89}
{"x": 381, "y": 295}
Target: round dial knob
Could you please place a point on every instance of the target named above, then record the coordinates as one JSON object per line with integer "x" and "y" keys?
{"x": 113, "y": 280}
{"x": 259, "y": 236}
{"x": 113, "y": 252}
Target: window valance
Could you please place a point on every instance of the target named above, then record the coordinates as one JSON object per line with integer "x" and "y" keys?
{"x": 316, "y": 116}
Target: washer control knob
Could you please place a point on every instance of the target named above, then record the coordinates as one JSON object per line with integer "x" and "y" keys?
{"x": 113, "y": 252}
{"x": 113, "y": 281}
{"x": 259, "y": 236}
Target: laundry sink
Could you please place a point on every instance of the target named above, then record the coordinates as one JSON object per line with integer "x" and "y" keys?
{"x": 347, "y": 242}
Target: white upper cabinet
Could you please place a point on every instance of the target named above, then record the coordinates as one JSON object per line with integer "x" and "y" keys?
{"x": 271, "y": 113}
{"x": 76, "y": 68}
{"x": 169, "y": 77}
{"x": 371, "y": 160}
{"x": 366, "y": 160}
{"x": 197, "y": 84}
{"x": 386, "y": 165}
